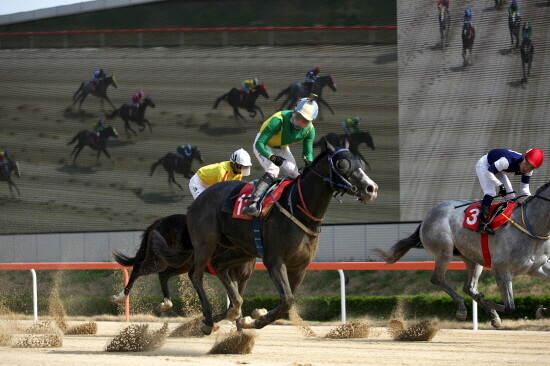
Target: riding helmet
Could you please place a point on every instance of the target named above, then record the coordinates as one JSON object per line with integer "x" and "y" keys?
{"x": 535, "y": 157}
{"x": 242, "y": 158}
{"x": 308, "y": 108}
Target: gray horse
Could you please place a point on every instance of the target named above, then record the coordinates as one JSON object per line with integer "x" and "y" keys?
{"x": 512, "y": 251}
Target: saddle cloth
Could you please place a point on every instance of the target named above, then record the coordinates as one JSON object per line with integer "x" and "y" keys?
{"x": 242, "y": 198}
{"x": 471, "y": 214}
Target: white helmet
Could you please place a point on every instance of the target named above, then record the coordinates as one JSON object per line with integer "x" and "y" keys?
{"x": 308, "y": 108}
{"x": 242, "y": 158}
{"x": 255, "y": 81}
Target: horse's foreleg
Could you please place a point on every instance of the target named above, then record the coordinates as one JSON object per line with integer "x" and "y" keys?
{"x": 108, "y": 100}
{"x": 172, "y": 179}
{"x": 104, "y": 150}
{"x": 148, "y": 124}
{"x": 127, "y": 127}
{"x": 234, "y": 311}
{"x": 12, "y": 184}
{"x": 237, "y": 114}
{"x": 438, "y": 279}
{"x": 78, "y": 149}
{"x": 320, "y": 99}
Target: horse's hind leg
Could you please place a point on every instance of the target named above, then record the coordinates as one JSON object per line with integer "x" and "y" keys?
{"x": 172, "y": 179}
{"x": 442, "y": 261}
{"x": 164, "y": 276}
{"x": 136, "y": 272}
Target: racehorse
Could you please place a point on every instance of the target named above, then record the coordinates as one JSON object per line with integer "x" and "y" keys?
{"x": 468, "y": 37}
{"x": 137, "y": 115}
{"x": 514, "y": 24}
{"x": 514, "y": 250}
{"x": 352, "y": 143}
{"x": 179, "y": 164}
{"x": 290, "y": 240}
{"x": 296, "y": 91}
{"x": 90, "y": 138}
{"x": 6, "y": 169}
{"x": 444, "y": 25}
{"x": 100, "y": 91}
{"x": 238, "y": 99}
{"x": 527, "y": 52}
{"x": 499, "y": 4}
{"x": 173, "y": 231}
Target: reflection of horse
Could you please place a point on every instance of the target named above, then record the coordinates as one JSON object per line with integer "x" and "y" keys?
{"x": 444, "y": 25}
{"x": 468, "y": 37}
{"x": 512, "y": 251}
{"x": 90, "y": 138}
{"x": 514, "y": 24}
{"x": 296, "y": 91}
{"x": 173, "y": 230}
{"x": 6, "y": 168}
{"x": 288, "y": 245}
{"x": 499, "y": 4}
{"x": 238, "y": 99}
{"x": 353, "y": 142}
{"x": 137, "y": 115}
{"x": 100, "y": 91}
{"x": 527, "y": 52}
{"x": 179, "y": 164}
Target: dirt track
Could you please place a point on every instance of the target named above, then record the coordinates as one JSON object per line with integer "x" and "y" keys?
{"x": 285, "y": 345}
{"x": 36, "y": 122}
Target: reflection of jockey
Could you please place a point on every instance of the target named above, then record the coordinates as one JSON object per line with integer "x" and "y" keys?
{"x": 249, "y": 85}
{"x": 493, "y": 170}
{"x": 282, "y": 129}
{"x": 185, "y": 150}
{"x": 311, "y": 77}
{"x": 526, "y": 31}
{"x": 236, "y": 168}
{"x": 513, "y": 8}
{"x": 351, "y": 125}
{"x": 444, "y": 3}
{"x": 97, "y": 76}
{"x": 98, "y": 128}
{"x": 5, "y": 158}
{"x": 468, "y": 17}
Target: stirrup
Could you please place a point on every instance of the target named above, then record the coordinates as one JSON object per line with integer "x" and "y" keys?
{"x": 252, "y": 210}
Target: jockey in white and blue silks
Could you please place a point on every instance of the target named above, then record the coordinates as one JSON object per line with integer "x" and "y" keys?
{"x": 468, "y": 17}
{"x": 493, "y": 170}
{"x": 97, "y": 76}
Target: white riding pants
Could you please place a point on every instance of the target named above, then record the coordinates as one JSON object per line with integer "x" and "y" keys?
{"x": 489, "y": 181}
{"x": 289, "y": 168}
{"x": 197, "y": 186}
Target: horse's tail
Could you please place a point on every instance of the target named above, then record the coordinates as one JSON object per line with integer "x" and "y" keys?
{"x": 223, "y": 97}
{"x": 283, "y": 92}
{"x": 154, "y": 165}
{"x": 74, "y": 139}
{"x": 401, "y": 248}
{"x": 127, "y": 261}
{"x": 174, "y": 257}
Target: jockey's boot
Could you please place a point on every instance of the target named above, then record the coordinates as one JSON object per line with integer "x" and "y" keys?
{"x": 254, "y": 205}
{"x": 483, "y": 224}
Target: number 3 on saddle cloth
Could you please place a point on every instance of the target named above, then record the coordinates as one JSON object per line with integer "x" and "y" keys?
{"x": 498, "y": 216}
{"x": 273, "y": 194}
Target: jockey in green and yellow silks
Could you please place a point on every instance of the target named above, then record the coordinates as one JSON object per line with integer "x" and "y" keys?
{"x": 272, "y": 143}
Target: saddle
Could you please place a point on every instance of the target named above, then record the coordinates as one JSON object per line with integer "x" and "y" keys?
{"x": 498, "y": 214}
{"x": 243, "y": 96}
{"x": 239, "y": 198}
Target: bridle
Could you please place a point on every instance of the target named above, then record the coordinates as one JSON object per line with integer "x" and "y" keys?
{"x": 344, "y": 184}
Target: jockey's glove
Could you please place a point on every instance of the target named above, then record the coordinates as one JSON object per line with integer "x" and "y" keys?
{"x": 277, "y": 160}
{"x": 509, "y": 197}
{"x": 501, "y": 190}
{"x": 307, "y": 161}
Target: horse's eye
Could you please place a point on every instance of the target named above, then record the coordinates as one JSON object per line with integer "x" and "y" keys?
{"x": 343, "y": 165}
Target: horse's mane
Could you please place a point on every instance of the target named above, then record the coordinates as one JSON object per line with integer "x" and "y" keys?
{"x": 539, "y": 190}
{"x": 322, "y": 155}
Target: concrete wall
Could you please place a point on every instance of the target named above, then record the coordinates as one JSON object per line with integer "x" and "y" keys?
{"x": 338, "y": 243}
{"x": 82, "y": 7}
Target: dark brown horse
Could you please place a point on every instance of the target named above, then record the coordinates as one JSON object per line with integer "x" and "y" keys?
{"x": 174, "y": 234}
{"x": 288, "y": 246}
{"x": 238, "y": 99}
{"x": 179, "y": 164}
{"x": 129, "y": 114}
{"x": 6, "y": 169}
{"x": 527, "y": 52}
{"x": 352, "y": 142}
{"x": 95, "y": 142}
{"x": 514, "y": 24}
{"x": 100, "y": 91}
{"x": 468, "y": 38}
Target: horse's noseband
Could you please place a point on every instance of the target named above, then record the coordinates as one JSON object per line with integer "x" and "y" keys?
{"x": 342, "y": 169}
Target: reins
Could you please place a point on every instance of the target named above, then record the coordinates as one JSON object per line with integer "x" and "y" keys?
{"x": 527, "y": 227}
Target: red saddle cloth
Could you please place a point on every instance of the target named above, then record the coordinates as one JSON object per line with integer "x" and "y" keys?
{"x": 471, "y": 215}
{"x": 244, "y": 196}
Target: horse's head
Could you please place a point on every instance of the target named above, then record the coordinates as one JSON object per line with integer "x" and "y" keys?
{"x": 197, "y": 154}
{"x": 149, "y": 101}
{"x": 262, "y": 90}
{"x": 345, "y": 173}
{"x": 330, "y": 82}
{"x": 110, "y": 131}
{"x": 111, "y": 80}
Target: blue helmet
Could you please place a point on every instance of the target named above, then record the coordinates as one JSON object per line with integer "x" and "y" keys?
{"x": 514, "y": 3}
{"x": 468, "y": 12}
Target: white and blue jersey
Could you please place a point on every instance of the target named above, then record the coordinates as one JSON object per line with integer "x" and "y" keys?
{"x": 507, "y": 162}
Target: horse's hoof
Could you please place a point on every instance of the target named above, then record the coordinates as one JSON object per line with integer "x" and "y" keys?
{"x": 117, "y": 299}
{"x": 461, "y": 315}
{"x": 233, "y": 314}
{"x": 540, "y": 314}
{"x": 258, "y": 313}
{"x": 206, "y": 329}
{"x": 496, "y": 323}
{"x": 245, "y": 323}
{"x": 163, "y": 306}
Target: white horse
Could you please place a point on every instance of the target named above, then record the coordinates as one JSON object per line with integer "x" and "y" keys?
{"x": 520, "y": 247}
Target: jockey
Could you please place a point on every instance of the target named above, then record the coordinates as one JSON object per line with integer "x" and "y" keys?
{"x": 249, "y": 85}
{"x": 527, "y": 31}
{"x": 351, "y": 125}
{"x": 311, "y": 77}
{"x": 493, "y": 170}
{"x": 271, "y": 146}
{"x": 444, "y": 3}
{"x": 236, "y": 168}
{"x": 98, "y": 128}
{"x": 137, "y": 98}
{"x": 513, "y": 8}
{"x": 468, "y": 17}
{"x": 184, "y": 150}
{"x": 97, "y": 76}
{"x": 5, "y": 158}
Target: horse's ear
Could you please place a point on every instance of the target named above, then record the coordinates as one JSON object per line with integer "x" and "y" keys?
{"x": 346, "y": 144}
{"x": 329, "y": 147}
